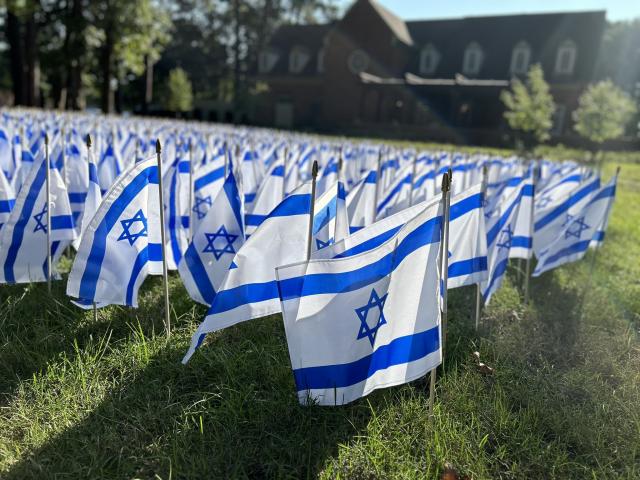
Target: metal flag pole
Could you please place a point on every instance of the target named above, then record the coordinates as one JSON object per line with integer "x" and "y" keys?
{"x": 48, "y": 210}
{"x": 89, "y": 144}
{"x": 191, "y": 224}
{"x": 378, "y": 182}
{"x": 527, "y": 272}
{"x": 485, "y": 175}
{"x": 165, "y": 276}
{"x": 314, "y": 175}
{"x": 284, "y": 173}
{"x": 413, "y": 178}
{"x": 444, "y": 248}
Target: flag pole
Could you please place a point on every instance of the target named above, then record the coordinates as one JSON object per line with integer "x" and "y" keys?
{"x": 284, "y": 173}
{"x": 413, "y": 178}
{"x": 527, "y": 272}
{"x": 191, "y": 224}
{"x": 375, "y": 196}
{"x": 89, "y": 144}
{"x": 444, "y": 249}
{"x": 314, "y": 175}
{"x": 165, "y": 276}
{"x": 478, "y": 290}
{"x": 48, "y": 194}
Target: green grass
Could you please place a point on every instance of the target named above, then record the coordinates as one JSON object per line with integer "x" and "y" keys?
{"x": 110, "y": 399}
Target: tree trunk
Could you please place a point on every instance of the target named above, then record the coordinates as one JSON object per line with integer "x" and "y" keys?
{"x": 106, "y": 61}
{"x": 16, "y": 57}
{"x": 32, "y": 61}
{"x": 148, "y": 84}
{"x": 236, "y": 61}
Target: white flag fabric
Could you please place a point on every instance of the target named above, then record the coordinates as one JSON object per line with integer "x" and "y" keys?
{"x": 330, "y": 219}
{"x": 92, "y": 200}
{"x": 23, "y": 239}
{"x": 176, "y": 197}
{"x": 584, "y": 226}
{"x": 398, "y": 196}
{"x": 121, "y": 242}
{"x": 249, "y": 290}
{"x": 207, "y": 182}
{"x": 361, "y": 201}
{"x": 522, "y": 240}
{"x": 365, "y": 322}
{"x": 7, "y": 199}
{"x": 214, "y": 244}
{"x": 268, "y": 197}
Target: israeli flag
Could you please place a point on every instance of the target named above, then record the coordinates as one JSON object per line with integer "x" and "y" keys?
{"x": 207, "y": 182}
{"x": 268, "y": 197}
{"x": 328, "y": 175}
{"x": 584, "y": 227}
{"x": 330, "y": 220}
{"x": 500, "y": 231}
{"x": 109, "y": 167}
{"x": 121, "y": 242}
{"x": 249, "y": 290}
{"x": 176, "y": 196}
{"x": 23, "y": 239}
{"x": 398, "y": 196}
{"x": 361, "y": 201}
{"x": 7, "y": 199}
{"x": 27, "y": 161}
{"x": 7, "y": 163}
{"x": 558, "y": 188}
{"x": 365, "y": 322}
{"x": 92, "y": 199}
{"x": 522, "y": 240}
{"x": 550, "y": 222}
{"x": 214, "y": 244}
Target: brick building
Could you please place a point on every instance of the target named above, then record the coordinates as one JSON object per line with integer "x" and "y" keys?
{"x": 373, "y": 73}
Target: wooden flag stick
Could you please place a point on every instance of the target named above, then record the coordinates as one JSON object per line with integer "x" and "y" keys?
{"x": 48, "y": 200}
{"x": 165, "y": 275}
{"x": 314, "y": 175}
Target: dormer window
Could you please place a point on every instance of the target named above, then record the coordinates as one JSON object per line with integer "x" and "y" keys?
{"x": 520, "y": 58}
{"x": 298, "y": 59}
{"x": 473, "y": 58}
{"x": 429, "y": 59}
{"x": 267, "y": 60}
{"x": 566, "y": 58}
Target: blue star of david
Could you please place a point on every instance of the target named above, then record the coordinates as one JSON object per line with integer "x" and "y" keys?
{"x": 38, "y": 218}
{"x": 201, "y": 201}
{"x": 576, "y": 228}
{"x": 128, "y": 234}
{"x": 374, "y": 302}
{"x": 228, "y": 246}
{"x": 506, "y": 236}
{"x": 320, "y": 244}
{"x": 568, "y": 220}
{"x": 544, "y": 201}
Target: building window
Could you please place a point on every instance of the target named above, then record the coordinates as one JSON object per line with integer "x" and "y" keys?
{"x": 473, "y": 58}
{"x": 267, "y": 60}
{"x": 429, "y": 59}
{"x": 320, "y": 66}
{"x": 520, "y": 58}
{"x": 358, "y": 61}
{"x": 566, "y": 58}
{"x": 298, "y": 59}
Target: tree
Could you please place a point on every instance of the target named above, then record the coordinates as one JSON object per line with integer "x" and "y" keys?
{"x": 179, "y": 92}
{"x": 603, "y": 113}
{"x": 530, "y": 106}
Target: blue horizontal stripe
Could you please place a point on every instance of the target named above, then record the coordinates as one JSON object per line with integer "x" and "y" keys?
{"x": 7, "y": 205}
{"x": 235, "y": 297}
{"x": 399, "y": 351}
{"x": 210, "y": 177}
{"x": 183, "y": 166}
{"x": 353, "y": 230}
{"x": 254, "y": 220}
{"x": 62, "y": 222}
{"x": 599, "y": 236}
{"x": 467, "y": 267}
{"x": 370, "y": 243}
{"x": 323, "y": 283}
{"x": 77, "y": 197}
{"x": 521, "y": 241}
{"x": 465, "y": 206}
{"x": 249, "y": 197}
{"x": 278, "y": 171}
{"x": 577, "y": 247}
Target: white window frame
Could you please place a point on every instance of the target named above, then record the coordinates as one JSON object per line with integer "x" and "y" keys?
{"x": 473, "y": 50}
{"x": 429, "y": 59}
{"x": 521, "y": 48}
{"x": 267, "y": 60}
{"x": 567, "y": 47}
{"x": 298, "y": 59}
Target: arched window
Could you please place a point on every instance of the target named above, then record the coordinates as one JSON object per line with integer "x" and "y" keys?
{"x": 566, "y": 58}
{"x": 473, "y": 58}
{"x": 520, "y": 58}
{"x": 298, "y": 59}
{"x": 267, "y": 60}
{"x": 429, "y": 59}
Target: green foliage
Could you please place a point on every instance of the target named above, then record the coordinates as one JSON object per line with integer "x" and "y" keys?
{"x": 179, "y": 91}
{"x": 529, "y": 105}
{"x": 604, "y": 112}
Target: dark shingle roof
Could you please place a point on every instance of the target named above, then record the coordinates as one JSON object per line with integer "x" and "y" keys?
{"x": 290, "y": 36}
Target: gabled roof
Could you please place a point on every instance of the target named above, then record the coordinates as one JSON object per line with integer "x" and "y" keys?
{"x": 395, "y": 23}
{"x": 289, "y": 36}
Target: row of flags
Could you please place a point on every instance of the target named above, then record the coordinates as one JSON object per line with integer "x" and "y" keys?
{"x": 355, "y": 244}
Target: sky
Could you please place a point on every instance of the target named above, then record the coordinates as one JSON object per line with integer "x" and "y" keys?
{"x": 429, "y": 9}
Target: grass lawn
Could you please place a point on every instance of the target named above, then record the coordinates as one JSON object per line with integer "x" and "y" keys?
{"x": 110, "y": 399}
